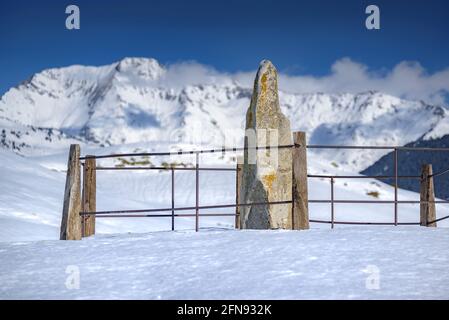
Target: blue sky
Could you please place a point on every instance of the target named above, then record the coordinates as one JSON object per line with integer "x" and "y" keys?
{"x": 300, "y": 37}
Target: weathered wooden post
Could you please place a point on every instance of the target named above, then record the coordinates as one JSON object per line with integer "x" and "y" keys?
{"x": 89, "y": 196}
{"x": 238, "y": 184}
{"x": 71, "y": 220}
{"x": 427, "y": 197}
{"x": 300, "y": 208}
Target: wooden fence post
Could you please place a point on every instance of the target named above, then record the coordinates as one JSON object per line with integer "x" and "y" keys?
{"x": 71, "y": 220}
{"x": 89, "y": 196}
{"x": 427, "y": 193}
{"x": 300, "y": 210}
{"x": 238, "y": 184}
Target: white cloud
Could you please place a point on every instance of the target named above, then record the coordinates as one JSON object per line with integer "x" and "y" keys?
{"x": 407, "y": 80}
{"x": 190, "y": 72}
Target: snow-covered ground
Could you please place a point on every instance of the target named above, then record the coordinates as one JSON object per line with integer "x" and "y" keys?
{"x": 138, "y": 258}
{"x": 346, "y": 263}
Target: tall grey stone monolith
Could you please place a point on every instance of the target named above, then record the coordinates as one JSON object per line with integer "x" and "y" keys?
{"x": 267, "y": 173}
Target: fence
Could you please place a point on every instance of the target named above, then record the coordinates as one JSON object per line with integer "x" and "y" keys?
{"x": 83, "y": 204}
{"x": 396, "y": 177}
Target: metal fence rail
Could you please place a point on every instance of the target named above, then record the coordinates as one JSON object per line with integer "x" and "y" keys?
{"x": 180, "y": 152}
{"x": 218, "y": 206}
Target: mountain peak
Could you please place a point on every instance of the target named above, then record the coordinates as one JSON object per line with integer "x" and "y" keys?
{"x": 147, "y": 68}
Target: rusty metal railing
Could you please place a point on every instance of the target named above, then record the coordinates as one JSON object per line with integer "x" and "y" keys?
{"x": 396, "y": 178}
{"x": 140, "y": 212}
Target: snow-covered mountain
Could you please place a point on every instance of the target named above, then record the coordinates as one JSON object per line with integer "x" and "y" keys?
{"x": 137, "y": 100}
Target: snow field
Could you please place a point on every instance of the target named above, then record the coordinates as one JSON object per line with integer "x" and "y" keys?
{"x": 345, "y": 263}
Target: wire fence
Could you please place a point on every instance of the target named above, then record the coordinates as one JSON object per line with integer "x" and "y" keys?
{"x": 173, "y": 211}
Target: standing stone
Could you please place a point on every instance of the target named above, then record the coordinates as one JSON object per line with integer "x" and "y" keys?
{"x": 267, "y": 174}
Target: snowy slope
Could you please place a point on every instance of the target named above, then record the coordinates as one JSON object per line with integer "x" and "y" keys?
{"x": 138, "y": 100}
{"x": 28, "y": 139}
{"x": 351, "y": 263}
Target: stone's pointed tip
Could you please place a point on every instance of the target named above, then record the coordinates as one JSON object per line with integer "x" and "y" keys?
{"x": 266, "y": 66}
{"x": 265, "y": 63}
